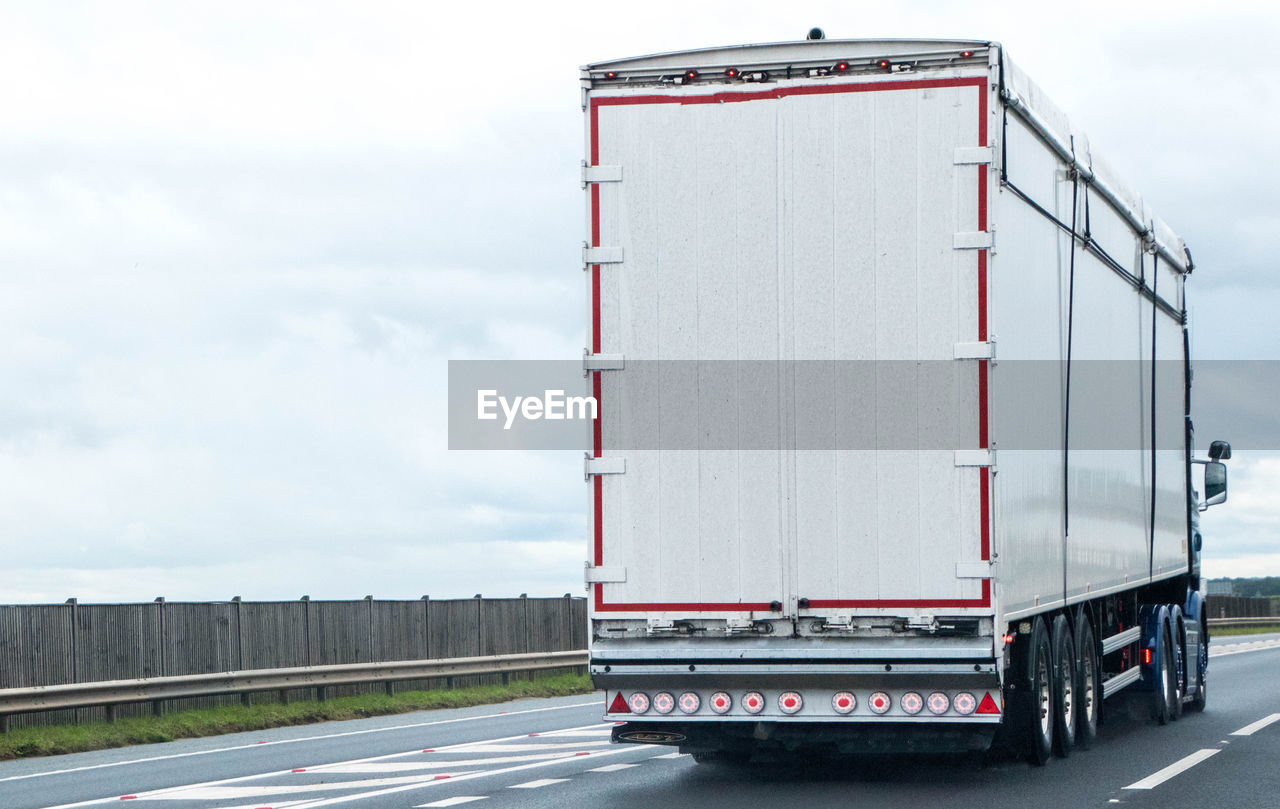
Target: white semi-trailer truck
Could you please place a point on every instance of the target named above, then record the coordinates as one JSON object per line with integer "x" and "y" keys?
{"x": 893, "y": 448}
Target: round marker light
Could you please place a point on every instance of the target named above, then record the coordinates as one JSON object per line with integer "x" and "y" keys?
{"x": 879, "y": 702}
{"x": 844, "y": 703}
{"x": 938, "y": 703}
{"x": 731, "y": 72}
{"x": 663, "y": 702}
{"x": 690, "y": 75}
{"x": 690, "y": 702}
{"x": 721, "y": 702}
{"x": 753, "y": 702}
{"x": 639, "y": 702}
{"x": 911, "y": 703}
{"x": 790, "y": 702}
{"x": 965, "y": 54}
{"x": 611, "y": 74}
{"x": 884, "y": 64}
{"x": 840, "y": 67}
{"x": 964, "y": 703}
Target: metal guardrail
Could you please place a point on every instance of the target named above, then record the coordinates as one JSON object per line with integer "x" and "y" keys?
{"x": 1228, "y": 623}
{"x": 147, "y": 689}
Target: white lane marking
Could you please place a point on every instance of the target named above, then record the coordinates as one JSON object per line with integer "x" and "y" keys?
{"x": 614, "y": 767}
{"x": 541, "y": 782}
{"x": 428, "y": 784}
{"x": 274, "y": 805}
{"x": 673, "y": 755}
{"x": 1254, "y": 727}
{"x": 1241, "y": 648}
{"x": 410, "y": 766}
{"x": 274, "y": 773}
{"x": 295, "y": 741}
{"x": 454, "y": 801}
{"x": 235, "y": 793}
{"x": 521, "y": 748}
{"x": 1181, "y": 765}
{"x": 566, "y": 734}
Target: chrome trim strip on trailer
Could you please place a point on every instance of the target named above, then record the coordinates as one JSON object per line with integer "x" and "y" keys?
{"x": 1121, "y": 640}
{"x": 1126, "y": 677}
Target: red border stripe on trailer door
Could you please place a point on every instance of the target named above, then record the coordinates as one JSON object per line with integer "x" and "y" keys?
{"x": 984, "y": 481}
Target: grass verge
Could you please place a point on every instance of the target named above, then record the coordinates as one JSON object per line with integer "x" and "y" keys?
{"x": 58, "y": 739}
{"x": 1219, "y": 632}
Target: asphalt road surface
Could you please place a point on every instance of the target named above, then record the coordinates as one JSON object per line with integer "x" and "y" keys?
{"x": 556, "y": 753}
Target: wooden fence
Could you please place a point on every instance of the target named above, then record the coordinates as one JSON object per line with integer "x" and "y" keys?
{"x": 50, "y": 644}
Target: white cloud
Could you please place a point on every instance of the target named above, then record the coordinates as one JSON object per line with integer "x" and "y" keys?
{"x": 240, "y": 242}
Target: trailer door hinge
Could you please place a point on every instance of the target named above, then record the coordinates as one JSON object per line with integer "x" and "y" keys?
{"x": 976, "y": 351}
{"x": 601, "y": 362}
{"x": 974, "y": 570}
{"x": 601, "y": 255}
{"x": 973, "y": 240}
{"x": 600, "y": 174}
{"x": 593, "y": 574}
{"x": 603, "y": 466}
{"x": 975, "y": 457}
{"x": 969, "y": 155}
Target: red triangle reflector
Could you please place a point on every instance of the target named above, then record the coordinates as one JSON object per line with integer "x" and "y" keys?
{"x": 619, "y": 705}
{"x": 988, "y": 705}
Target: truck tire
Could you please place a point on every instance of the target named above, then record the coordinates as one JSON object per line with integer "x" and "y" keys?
{"x": 1200, "y": 696}
{"x": 1177, "y": 664}
{"x": 1162, "y": 678}
{"x": 1064, "y": 687}
{"x": 1088, "y": 689}
{"x": 1038, "y": 714}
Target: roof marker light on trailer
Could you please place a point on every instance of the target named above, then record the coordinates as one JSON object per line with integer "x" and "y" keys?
{"x": 879, "y": 702}
{"x": 639, "y": 702}
{"x": 790, "y": 702}
{"x": 690, "y": 702}
{"x": 619, "y": 705}
{"x": 753, "y": 702}
{"x": 721, "y": 702}
{"x": 938, "y": 703}
{"x": 844, "y": 703}
{"x": 911, "y": 703}
{"x": 964, "y": 703}
{"x": 611, "y": 74}
{"x": 965, "y": 54}
{"x": 988, "y": 705}
{"x": 663, "y": 702}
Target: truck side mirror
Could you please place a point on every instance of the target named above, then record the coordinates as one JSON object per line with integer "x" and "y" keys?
{"x": 1215, "y": 483}
{"x": 1220, "y": 451}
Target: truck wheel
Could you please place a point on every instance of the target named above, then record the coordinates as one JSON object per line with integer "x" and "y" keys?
{"x": 1176, "y": 668}
{"x": 1064, "y": 687}
{"x": 1201, "y": 694}
{"x": 1162, "y": 678}
{"x": 1039, "y": 714}
{"x": 1088, "y": 691}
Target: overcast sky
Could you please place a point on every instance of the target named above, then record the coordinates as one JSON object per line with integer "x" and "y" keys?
{"x": 239, "y": 242}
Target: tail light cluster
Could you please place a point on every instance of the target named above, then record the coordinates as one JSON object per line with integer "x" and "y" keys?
{"x": 789, "y": 703}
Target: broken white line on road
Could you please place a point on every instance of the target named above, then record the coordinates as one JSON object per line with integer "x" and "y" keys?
{"x": 1179, "y": 766}
{"x": 541, "y": 782}
{"x": 454, "y": 801}
{"x": 1254, "y": 727}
